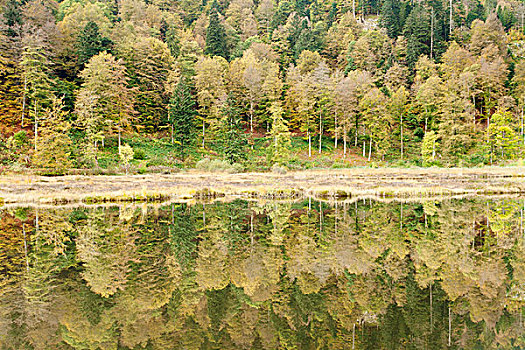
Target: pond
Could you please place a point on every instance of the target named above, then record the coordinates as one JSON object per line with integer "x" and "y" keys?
{"x": 359, "y": 274}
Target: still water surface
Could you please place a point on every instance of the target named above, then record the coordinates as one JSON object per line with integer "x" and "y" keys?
{"x": 251, "y": 275}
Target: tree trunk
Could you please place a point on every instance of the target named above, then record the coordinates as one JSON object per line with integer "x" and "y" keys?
{"x": 370, "y": 150}
{"x": 309, "y": 145}
{"x": 24, "y": 101}
{"x": 431, "y": 32}
{"x": 335, "y": 131}
{"x": 119, "y": 140}
{"x": 450, "y": 19}
{"x": 320, "y": 131}
{"x": 203, "y": 130}
{"x": 353, "y": 8}
{"x": 449, "y": 328}
{"x": 431, "y": 314}
{"x": 36, "y": 125}
{"x": 344, "y": 141}
{"x": 25, "y": 246}
{"x": 401, "y": 136}
{"x": 364, "y": 149}
{"x": 522, "y": 138}
{"x": 356, "y": 130}
{"x": 251, "y": 117}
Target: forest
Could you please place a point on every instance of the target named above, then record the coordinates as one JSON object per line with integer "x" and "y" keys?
{"x": 230, "y": 85}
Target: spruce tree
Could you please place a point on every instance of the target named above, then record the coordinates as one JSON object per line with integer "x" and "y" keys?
{"x": 417, "y": 33}
{"x": 182, "y": 117}
{"x": 234, "y": 141}
{"x": 390, "y": 18}
{"x": 216, "y": 35}
{"x": 90, "y": 43}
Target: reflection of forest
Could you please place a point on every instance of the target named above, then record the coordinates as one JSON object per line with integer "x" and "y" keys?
{"x": 233, "y": 275}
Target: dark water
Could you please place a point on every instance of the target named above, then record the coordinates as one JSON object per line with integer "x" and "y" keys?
{"x": 248, "y": 275}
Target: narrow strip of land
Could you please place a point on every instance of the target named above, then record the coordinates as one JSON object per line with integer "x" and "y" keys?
{"x": 333, "y": 183}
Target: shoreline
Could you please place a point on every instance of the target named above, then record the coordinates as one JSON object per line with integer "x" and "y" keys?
{"x": 327, "y": 184}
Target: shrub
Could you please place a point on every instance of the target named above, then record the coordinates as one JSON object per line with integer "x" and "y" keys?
{"x": 277, "y": 169}
{"x": 139, "y": 154}
{"x": 217, "y": 165}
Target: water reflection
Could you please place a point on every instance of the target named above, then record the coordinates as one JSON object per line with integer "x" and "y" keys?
{"x": 306, "y": 275}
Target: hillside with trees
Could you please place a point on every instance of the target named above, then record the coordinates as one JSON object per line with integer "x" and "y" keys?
{"x": 133, "y": 85}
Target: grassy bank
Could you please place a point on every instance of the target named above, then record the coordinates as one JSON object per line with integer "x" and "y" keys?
{"x": 322, "y": 184}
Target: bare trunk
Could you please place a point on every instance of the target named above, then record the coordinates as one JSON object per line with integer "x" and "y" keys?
{"x": 25, "y": 246}
{"x": 309, "y": 145}
{"x": 203, "y": 132}
{"x": 335, "y": 130}
{"x": 353, "y": 8}
{"x": 364, "y": 149}
{"x": 401, "y": 136}
{"x": 523, "y": 138}
{"x": 344, "y": 141}
{"x": 36, "y": 125}
{"x": 356, "y": 130}
{"x": 449, "y": 328}
{"x": 450, "y": 24}
{"x": 431, "y": 314}
{"x": 431, "y": 32}
{"x": 251, "y": 117}
{"x": 24, "y": 101}
{"x": 320, "y": 131}
{"x": 119, "y": 140}
{"x": 171, "y": 122}
{"x": 370, "y": 150}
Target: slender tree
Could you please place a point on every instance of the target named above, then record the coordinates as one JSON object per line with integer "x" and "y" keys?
{"x": 182, "y": 117}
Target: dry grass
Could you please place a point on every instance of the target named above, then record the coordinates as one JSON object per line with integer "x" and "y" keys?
{"x": 323, "y": 184}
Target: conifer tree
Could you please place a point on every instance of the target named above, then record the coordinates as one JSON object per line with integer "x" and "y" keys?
{"x": 216, "y": 35}
{"x": 182, "y": 117}
{"x": 90, "y": 42}
{"x": 390, "y": 17}
{"x": 417, "y": 33}
{"x": 234, "y": 140}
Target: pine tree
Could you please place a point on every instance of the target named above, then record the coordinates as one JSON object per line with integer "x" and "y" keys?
{"x": 90, "y": 42}
{"x": 216, "y": 35}
{"x": 234, "y": 140}
{"x": 182, "y": 117}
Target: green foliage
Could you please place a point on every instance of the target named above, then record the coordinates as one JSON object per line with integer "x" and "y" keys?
{"x": 90, "y": 42}
{"x": 217, "y": 165}
{"x": 280, "y": 141}
{"x": 182, "y": 117}
{"x": 504, "y": 141}
{"x": 233, "y": 140}
{"x": 216, "y": 36}
{"x": 429, "y": 148}
{"x": 53, "y": 143}
{"x": 126, "y": 155}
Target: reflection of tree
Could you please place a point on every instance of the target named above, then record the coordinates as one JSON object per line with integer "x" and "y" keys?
{"x": 106, "y": 249}
{"x": 272, "y": 275}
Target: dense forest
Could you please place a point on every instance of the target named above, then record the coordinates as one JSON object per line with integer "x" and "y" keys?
{"x": 251, "y": 84}
{"x": 272, "y": 275}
